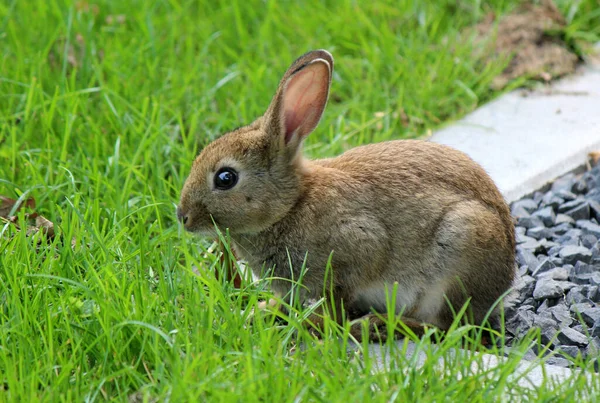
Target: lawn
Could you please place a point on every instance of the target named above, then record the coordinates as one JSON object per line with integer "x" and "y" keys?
{"x": 103, "y": 106}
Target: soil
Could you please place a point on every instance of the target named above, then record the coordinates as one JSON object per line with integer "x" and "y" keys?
{"x": 532, "y": 35}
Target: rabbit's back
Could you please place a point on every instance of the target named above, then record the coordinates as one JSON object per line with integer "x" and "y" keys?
{"x": 415, "y": 168}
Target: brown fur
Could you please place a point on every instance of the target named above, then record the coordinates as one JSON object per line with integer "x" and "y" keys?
{"x": 415, "y": 213}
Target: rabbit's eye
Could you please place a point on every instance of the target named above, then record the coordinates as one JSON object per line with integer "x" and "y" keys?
{"x": 226, "y": 178}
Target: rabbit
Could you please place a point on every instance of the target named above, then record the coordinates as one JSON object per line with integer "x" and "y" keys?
{"x": 411, "y": 213}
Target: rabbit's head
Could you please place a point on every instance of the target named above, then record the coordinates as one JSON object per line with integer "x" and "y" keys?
{"x": 248, "y": 179}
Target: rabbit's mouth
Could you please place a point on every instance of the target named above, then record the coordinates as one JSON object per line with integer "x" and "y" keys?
{"x": 196, "y": 220}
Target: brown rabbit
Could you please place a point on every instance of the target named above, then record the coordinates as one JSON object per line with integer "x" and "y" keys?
{"x": 415, "y": 213}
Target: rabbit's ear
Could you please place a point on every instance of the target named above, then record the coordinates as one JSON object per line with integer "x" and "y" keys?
{"x": 300, "y": 100}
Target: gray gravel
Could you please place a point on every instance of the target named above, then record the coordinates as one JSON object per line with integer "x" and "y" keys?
{"x": 558, "y": 259}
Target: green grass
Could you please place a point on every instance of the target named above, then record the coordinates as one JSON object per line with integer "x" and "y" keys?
{"x": 100, "y": 119}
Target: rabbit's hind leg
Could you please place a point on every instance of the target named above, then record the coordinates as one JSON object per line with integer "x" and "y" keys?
{"x": 474, "y": 249}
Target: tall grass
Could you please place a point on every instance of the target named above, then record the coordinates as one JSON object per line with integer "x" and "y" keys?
{"x": 103, "y": 106}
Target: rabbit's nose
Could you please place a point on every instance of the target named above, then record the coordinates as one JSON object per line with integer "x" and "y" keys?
{"x": 181, "y": 215}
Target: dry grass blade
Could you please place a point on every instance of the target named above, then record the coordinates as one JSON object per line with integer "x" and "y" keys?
{"x": 45, "y": 225}
{"x": 7, "y": 205}
{"x": 35, "y": 222}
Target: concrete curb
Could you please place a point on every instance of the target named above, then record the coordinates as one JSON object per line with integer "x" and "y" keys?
{"x": 525, "y": 139}
{"x": 529, "y": 374}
